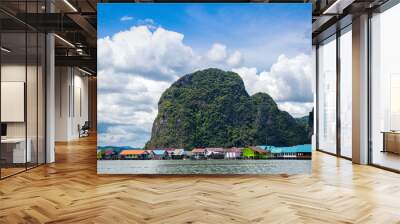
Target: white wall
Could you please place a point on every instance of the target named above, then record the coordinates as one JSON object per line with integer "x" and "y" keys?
{"x": 17, "y": 73}
{"x": 81, "y": 89}
{"x": 71, "y": 94}
{"x": 12, "y": 73}
{"x": 33, "y": 126}
{"x": 62, "y": 81}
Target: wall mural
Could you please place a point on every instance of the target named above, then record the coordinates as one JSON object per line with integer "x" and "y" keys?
{"x": 204, "y": 88}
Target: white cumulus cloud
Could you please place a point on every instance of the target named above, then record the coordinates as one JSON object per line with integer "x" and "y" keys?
{"x": 217, "y": 53}
{"x": 127, "y": 102}
{"x": 235, "y": 59}
{"x": 156, "y": 55}
{"x": 289, "y": 79}
{"x": 296, "y": 109}
{"x": 136, "y": 66}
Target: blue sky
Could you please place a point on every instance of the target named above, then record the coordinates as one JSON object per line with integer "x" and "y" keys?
{"x": 144, "y": 48}
{"x": 241, "y": 26}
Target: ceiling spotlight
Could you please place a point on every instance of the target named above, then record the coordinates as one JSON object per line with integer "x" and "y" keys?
{"x": 64, "y": 40}
{"x": 84, "y": 71}
{"x": 79, "y": 51}
{"x": 5, "y": 50}
{"x": 70, "y": 5}
{"x": 337, "y": 7}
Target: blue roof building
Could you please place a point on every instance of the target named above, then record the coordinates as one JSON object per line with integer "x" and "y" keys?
{"x": 292, "y": 149}
{"x": 288, "y": 149}
{"x": 290, "y": 152}
{"x": 159, "y": 152}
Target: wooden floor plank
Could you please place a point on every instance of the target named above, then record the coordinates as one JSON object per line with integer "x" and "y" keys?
{"x": 70, "y": 191}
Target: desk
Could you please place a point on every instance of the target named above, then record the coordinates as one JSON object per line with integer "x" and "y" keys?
{"x": 391, "y": 141}
{"x": 13, "y": 150}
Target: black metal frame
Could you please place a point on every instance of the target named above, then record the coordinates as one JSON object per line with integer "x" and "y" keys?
{"x": 369, "y": 98}
{"x": 44, "y": 80}
{"x": 316, "y": 97}
{"x": 338, "y": 33}
{"x": 338, "y": 76}
{"x": 0, "y": 86}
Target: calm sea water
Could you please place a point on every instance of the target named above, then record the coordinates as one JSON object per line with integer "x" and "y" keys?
{"x": 203, "y": 166}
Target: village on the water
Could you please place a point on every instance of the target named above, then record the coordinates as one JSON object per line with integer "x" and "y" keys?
{"x": 302, "y": 152}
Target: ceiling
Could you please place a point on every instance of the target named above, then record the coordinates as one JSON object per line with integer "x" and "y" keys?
{"x": 75, "y": 22}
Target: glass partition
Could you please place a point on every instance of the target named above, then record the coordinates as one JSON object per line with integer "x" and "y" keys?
{"x": 41, "y": 96}
{"x": 327, "y": 95}
{"x": 346, "y": 92}
{"x": 22, "y": 88}
{"x": 14, "y": 153}
{"x": 385, "y": 89}
{"x": 31, "y": 99}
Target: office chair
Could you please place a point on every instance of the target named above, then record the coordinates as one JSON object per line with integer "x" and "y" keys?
{"x": 84, "y": 130}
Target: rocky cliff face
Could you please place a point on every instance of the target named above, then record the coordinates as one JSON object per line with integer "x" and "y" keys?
{"x": 211, "y": 108}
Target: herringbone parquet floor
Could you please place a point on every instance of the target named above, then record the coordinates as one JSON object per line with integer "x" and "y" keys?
{"x": 70, "y": 191}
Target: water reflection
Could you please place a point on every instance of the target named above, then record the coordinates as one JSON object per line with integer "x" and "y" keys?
{"x": 203, "y": 166}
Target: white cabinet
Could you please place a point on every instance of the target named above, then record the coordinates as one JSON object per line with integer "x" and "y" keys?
{"x": 19, "y": 155}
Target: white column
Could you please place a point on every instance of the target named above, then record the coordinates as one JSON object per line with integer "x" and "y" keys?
{"x": 360, "y": 90}
{"x": 50, "y": 99}
{"x": 62, "y": 103}
{"x": 314, "y": 88}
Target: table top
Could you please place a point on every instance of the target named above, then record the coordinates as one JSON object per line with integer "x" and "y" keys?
{"x": 391, "y": 132}
{"x": 13, "y": 140}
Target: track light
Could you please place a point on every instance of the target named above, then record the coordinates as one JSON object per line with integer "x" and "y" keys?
{"x": 64, "y": 40}
{"x": 70, "y": 5}
{"x": 331, "y": 8}
{"x": 337, "y": 7}
{"x": 84, "y": 71}
{"x": 5, "y": 50}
